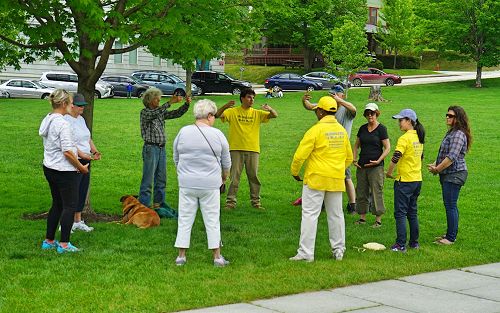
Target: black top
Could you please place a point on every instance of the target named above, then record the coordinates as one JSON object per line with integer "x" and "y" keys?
{"x": 371, "y": 143}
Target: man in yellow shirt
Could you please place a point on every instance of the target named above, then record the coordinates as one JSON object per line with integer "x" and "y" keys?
{"x": 327, "y": 150}
{"x": 244, "y": 143}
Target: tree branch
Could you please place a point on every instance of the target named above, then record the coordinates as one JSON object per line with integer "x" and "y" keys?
{"x": 25, "y": 46}
{"x": 135, "y": 9}
{"x": 122, "y": 50}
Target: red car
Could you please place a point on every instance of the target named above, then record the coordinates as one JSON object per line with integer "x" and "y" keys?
{"x": 374, "y": 76}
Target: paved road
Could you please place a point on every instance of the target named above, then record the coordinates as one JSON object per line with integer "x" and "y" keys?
{"x": 442, "y": 77}
{"x": 467, "y": 290}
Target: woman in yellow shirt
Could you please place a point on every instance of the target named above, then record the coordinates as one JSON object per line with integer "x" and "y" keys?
{"x": 407, "y": 156}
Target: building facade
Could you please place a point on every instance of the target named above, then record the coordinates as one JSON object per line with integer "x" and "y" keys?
{"x": 122, "y": 64}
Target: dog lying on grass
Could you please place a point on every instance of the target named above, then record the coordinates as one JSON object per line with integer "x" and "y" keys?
{"x": 138, "y": 214}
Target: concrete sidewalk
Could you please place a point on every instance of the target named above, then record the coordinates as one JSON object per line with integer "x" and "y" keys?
{"x": 470, "y": 289}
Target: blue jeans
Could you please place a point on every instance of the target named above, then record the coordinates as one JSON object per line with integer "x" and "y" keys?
{"x": 154, "y": 167}
{"x": 450, "y": 198}
{"x": 405, "y": 207}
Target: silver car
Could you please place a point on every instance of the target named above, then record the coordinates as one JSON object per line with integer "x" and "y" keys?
{"x": 24, "y": 88}
{"x": 328, "y": 80}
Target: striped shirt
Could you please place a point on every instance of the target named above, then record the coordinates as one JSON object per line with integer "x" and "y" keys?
{"x": 453, "y": 146}
{"x": 153, "y": 122}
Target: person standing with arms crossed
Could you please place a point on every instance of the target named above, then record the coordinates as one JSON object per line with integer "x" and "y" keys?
{"x": 345, "y": 116}
{"x": 244, "y": 143}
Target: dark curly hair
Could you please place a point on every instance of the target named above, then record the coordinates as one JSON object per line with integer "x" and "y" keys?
{"x": 461, "y": 123}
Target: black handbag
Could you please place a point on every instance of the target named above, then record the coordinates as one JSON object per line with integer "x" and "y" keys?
{"x": 222, "y": 187}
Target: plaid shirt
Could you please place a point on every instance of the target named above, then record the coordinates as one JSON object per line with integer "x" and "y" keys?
{"x": 453, "y": 146}
{"x": 153, "y": 122}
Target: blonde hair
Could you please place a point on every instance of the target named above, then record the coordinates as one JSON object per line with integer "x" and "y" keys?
{"x": 58, "y": 97}
{"x": 149, "y": 95}
{"x": 204, "y": 107}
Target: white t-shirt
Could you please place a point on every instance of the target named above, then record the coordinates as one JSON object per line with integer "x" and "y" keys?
{"x": 57, "y": 138}
{"x": 81, "y": 133}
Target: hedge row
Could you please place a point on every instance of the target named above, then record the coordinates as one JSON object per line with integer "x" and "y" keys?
{"x": 402, "y": 61}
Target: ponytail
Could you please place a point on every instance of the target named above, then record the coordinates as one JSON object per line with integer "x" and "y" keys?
{"x": 420, "y": 131}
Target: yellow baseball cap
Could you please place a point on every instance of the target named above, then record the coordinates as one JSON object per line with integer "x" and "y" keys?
{"x": 327, "y": 103}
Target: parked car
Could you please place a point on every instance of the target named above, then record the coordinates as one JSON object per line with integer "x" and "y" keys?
{"x": 291, "y": 81}
{"x": 69, "y": 82}
{"x": 24, "y": 88}
{"x": 166, "y": 82}
{"x": 374, "y": 76}
{"x": 326, "y": 79}
{"x": 210, "y": 81}
{"x": 121, "y": 82}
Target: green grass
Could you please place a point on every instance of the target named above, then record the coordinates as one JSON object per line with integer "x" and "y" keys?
{"x": 409, "y": 72}
{"x": 124, "y": 269}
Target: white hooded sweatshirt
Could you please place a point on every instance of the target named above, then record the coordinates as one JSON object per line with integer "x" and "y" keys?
{"x": 57, "y": 138}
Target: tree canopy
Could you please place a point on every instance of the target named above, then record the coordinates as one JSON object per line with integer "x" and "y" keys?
{"x": 309, "y": 23}
{"x": 469, "y": 27}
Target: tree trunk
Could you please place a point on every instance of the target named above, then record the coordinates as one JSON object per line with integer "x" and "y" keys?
{"x": 479, "y": 70}
{"x": 189, "y": 73}
{"x": 395, "y": 58}
{"x": 376, "y": 94}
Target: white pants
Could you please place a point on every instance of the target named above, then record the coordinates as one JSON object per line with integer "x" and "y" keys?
{"x": 209, "y": 203}
{"x": 311, "y": 208}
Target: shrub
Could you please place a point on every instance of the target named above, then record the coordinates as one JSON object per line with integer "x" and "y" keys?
{"x": 402, "y": 61}
{"x": 377, "y": 64}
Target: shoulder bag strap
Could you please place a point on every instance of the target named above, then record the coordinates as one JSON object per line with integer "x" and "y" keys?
{"x": 209, "y": 145}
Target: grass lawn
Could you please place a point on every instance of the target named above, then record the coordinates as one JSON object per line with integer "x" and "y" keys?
{"x": 125, "y": 269}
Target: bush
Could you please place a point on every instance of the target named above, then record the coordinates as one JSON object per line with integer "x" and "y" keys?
{"x": 377, "y": 64}
{"x": 402, "y": 61}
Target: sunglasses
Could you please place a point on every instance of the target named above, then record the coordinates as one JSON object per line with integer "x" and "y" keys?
{"x": 450, "y": 116}
{"x": 368, "y": 112}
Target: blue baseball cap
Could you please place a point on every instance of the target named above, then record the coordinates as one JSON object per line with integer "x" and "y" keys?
{"x": 406, "y": 113}
{"x": 337, "y": 89}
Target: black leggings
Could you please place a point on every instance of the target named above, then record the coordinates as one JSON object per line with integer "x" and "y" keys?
{"x": 84, "y": 187}
{"x": 64, "y": 190}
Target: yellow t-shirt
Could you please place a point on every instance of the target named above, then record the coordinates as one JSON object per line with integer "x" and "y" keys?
{"x": 327, "y": 150}
{"x": 244, "y": 127}
{"x": 410, "y": 164}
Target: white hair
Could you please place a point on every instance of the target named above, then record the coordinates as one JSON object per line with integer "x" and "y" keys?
{"x": 204, "y": 107}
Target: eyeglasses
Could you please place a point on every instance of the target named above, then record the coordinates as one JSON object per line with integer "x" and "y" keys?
{"x": 450, "y": 116}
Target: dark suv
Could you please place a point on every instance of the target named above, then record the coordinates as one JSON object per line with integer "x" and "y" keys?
{"x": 120, "y": 83}
{"x": 210, "y": 81}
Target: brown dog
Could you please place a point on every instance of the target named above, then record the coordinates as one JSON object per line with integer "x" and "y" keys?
{"x": 138, "y": 214}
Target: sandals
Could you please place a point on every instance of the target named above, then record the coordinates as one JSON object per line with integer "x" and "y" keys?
{"x": 360, "y": 222}
{"x": 377, "y": 224}
{"x": 444, "y": 242}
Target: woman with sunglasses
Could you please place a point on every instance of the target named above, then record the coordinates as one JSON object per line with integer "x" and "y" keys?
{"x": 408, "y": 156}
{"x": 374, "y": 142}
{"x": 451, "y": 167}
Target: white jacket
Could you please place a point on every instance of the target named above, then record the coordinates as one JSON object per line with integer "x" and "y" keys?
{"x": 57, "y": 138}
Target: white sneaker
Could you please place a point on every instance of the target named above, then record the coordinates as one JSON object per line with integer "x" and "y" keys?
{"x": 180, "y": 261}
{"x": 299, "y": 257}
{"x": 220, "y": 262}
{"x": 338, "y": 254}
{"x": 82, "y": 226}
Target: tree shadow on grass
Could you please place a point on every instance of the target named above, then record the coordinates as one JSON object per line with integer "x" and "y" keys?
{"x": 88, "y": 217}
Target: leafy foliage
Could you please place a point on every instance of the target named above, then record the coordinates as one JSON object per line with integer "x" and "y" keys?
{"x": 309, "y": 23}
{"x": 395, "y": 29}
{"x": 469, "y": 27}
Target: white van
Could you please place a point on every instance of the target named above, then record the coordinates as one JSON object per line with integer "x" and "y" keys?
{"x": 69, "y": 82}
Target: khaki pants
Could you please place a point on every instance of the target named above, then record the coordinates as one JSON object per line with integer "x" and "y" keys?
{"x": 311, "y": 208}
{"x": 370, "y": 179}
{"x": 251, "y": 162}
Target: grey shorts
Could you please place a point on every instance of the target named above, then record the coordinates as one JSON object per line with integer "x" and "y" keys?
{"x": 348, "y": 173}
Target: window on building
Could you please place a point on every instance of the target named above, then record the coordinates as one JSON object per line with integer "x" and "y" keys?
{"x": 156, "y": 61}
{"x": 132, "y": 57}
{"x": 118, "y": 57}
{"x": 372, "y": 16}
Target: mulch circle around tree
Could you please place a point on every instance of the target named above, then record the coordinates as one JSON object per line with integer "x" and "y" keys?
{"x": 88, "y": 217}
